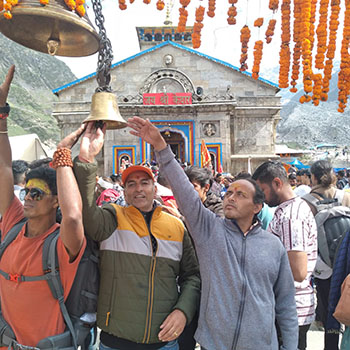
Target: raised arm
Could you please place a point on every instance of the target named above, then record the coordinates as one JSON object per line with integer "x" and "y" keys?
{"x": 6, "y": 177}
{"x": 69, "y": 199}
{"x": 199, "y": 220}
{"x": 99, "y": 223}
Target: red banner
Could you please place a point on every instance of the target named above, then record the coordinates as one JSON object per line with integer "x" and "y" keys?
{"x": 183, "y": 98}
{"x": 205, "y": 156}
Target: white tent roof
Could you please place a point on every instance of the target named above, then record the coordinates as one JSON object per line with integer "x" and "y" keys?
{"x": 27, "y": 147}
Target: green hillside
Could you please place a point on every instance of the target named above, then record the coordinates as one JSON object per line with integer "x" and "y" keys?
{"x": 30, "y": 96}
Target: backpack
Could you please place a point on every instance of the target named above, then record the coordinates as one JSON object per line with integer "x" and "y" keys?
{"x": 79, "y": 310}
{"x": 333, "y": 222}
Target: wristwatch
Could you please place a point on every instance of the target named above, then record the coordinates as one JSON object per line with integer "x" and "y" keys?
{"x": 4, "y": 111}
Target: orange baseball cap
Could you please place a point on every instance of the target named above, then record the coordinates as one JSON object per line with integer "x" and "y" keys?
{"x": 131, "y": 169}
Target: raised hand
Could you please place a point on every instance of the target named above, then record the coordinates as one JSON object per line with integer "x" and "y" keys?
{"x": 92, "y": 142}
{"x": 70, "y": 140}
{"x": 5, "y": 86}
{"x": 147, "y": 131}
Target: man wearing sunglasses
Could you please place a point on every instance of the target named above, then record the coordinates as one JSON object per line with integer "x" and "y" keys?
{"x": 29, "y": 307}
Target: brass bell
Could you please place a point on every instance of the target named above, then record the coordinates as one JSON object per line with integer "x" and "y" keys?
{"x": 52, "y": 28}
{"x": 104, "y": 108}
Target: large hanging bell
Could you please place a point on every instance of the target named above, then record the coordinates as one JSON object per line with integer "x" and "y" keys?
{"x": 52, "y": 28}
{"x": 104, "y": 108}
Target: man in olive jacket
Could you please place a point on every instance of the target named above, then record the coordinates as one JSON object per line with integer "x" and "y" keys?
{"x": 150, "y": 284}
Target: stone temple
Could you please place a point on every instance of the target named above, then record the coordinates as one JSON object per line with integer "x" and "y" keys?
{"x": 189, "y": 96}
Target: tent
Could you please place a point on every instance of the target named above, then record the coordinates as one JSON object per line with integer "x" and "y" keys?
{"x": 298, "y": 164}
{"x": 27, "y": 147}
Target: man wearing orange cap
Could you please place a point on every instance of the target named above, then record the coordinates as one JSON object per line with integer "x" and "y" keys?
{"x": 149, "y": 287}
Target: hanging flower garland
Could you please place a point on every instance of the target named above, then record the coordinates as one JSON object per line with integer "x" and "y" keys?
{"x": 196, "y": 35}
{"x": 232, "y": 12}
{"x": 160, "y": 5}
{"x": 211, "y": 8}
{"x": 8, "y": 8}
{"x": 258, "y": 50}
{"x": 270, "y": 31}
{"x": 181, "y": 27}
{"x": 285, "y": 50}
{"x": 259, "y": 22}
{"x": 344, "y": 73}
{"x": 322, "y": 36}
{"x": 297, "y": 46}
{"x": 147, "y": 1}
{"x": 122, "y": 5}
{"x": 131, "y": 1}
{"x": 245, "y": 36}
{"x": 333, "y": 27}
{"x": 312, "y": 22}
{"x": 273, "y": 5}
{"x": 317, "y": 89}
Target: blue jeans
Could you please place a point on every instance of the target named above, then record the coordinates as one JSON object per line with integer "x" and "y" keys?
{"x": 172, "y": 345}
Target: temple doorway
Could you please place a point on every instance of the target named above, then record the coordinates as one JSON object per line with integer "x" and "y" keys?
{"x": 177, "y": 144}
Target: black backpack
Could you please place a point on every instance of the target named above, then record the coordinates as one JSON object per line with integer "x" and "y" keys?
{"x": 333, "y": 222}
{"x": 79, "y": 310}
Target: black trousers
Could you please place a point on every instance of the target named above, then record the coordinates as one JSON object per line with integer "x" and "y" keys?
{"x": 301, "y": 337}
{"x": 186, "y": 339}
{"x": 331, "y": 340}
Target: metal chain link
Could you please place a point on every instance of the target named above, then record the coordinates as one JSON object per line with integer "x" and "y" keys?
{"x": 105, "y": 54}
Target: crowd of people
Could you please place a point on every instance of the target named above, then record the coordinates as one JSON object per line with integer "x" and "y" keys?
{"x": 186, "y": 256}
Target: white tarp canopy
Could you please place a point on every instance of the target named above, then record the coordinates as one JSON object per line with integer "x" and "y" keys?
{"x": 27, "y": 147}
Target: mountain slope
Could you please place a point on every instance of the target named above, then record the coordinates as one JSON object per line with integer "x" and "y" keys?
{"x": 30, "y": 96}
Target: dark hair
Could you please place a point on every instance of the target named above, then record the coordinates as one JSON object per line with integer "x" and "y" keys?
{"x": 19, "y": 169}
{"x": 299, "y": 173}
{"x": 259, "y": 196}
{"x": 323, "y": 172}
{"x": 161, "y": 179}
{"x": 306, "y": 172}
{"x": 116, "y": 178}
{"x": 341, "y": 173}
{"x": 46, "y": 174}
{"x": 292, "y": 176}
{"x": 45, "y": 162}
{"x": 269, "y": 170}
{"x": 201, "y": 175}
{"x": 243, "y": 175}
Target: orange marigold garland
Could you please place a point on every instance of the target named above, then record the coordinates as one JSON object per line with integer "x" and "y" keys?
{"x": 344, "y": 73}
{"x": 122, "y": 5}
{"x": 1, "y": 5}
{"x": 270, "y": 30}
{"x": 333, "y": 27}
{"x": 196, "y": 35}
{"x": 312, "y": 22}
{"x": 258, "y": 50}
{"x": 232, "y": 12}
{"x": 211, "y": 8}
{"x": 285, "y": 50}
{"x": 322, "y": 36}
{"x": 317, "y": 89}
{"x": 245, "y": 36}
{"x": 8, "y": 8}
{"x": 181, "y": 27}
{"x": 297, "y": 46}
{"x": 160, "y": 5}
{"x": 259, "y": 22}
{"x": 273, "y": 5}
{"x": 306, "y": 45}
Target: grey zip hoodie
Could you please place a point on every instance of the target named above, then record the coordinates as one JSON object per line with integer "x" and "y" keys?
{"x": 246, "y": 280}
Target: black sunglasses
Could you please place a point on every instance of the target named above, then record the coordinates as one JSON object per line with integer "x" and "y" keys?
{"x": 35, "y": 193}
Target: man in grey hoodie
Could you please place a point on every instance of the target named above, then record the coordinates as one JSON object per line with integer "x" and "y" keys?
{"x": 246, "y": 278}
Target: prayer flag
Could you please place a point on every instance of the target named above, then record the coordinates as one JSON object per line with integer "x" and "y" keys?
{"x": 205, "y": 156}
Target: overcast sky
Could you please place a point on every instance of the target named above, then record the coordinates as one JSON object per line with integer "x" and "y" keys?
{"x": 219, "y": 39}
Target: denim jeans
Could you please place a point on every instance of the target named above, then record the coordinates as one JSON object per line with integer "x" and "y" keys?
{"x": 172, "y": 345}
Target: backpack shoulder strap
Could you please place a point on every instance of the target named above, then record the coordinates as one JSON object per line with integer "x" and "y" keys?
{"x": 51, "y": 269}
{"x": 11, "y": 235}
